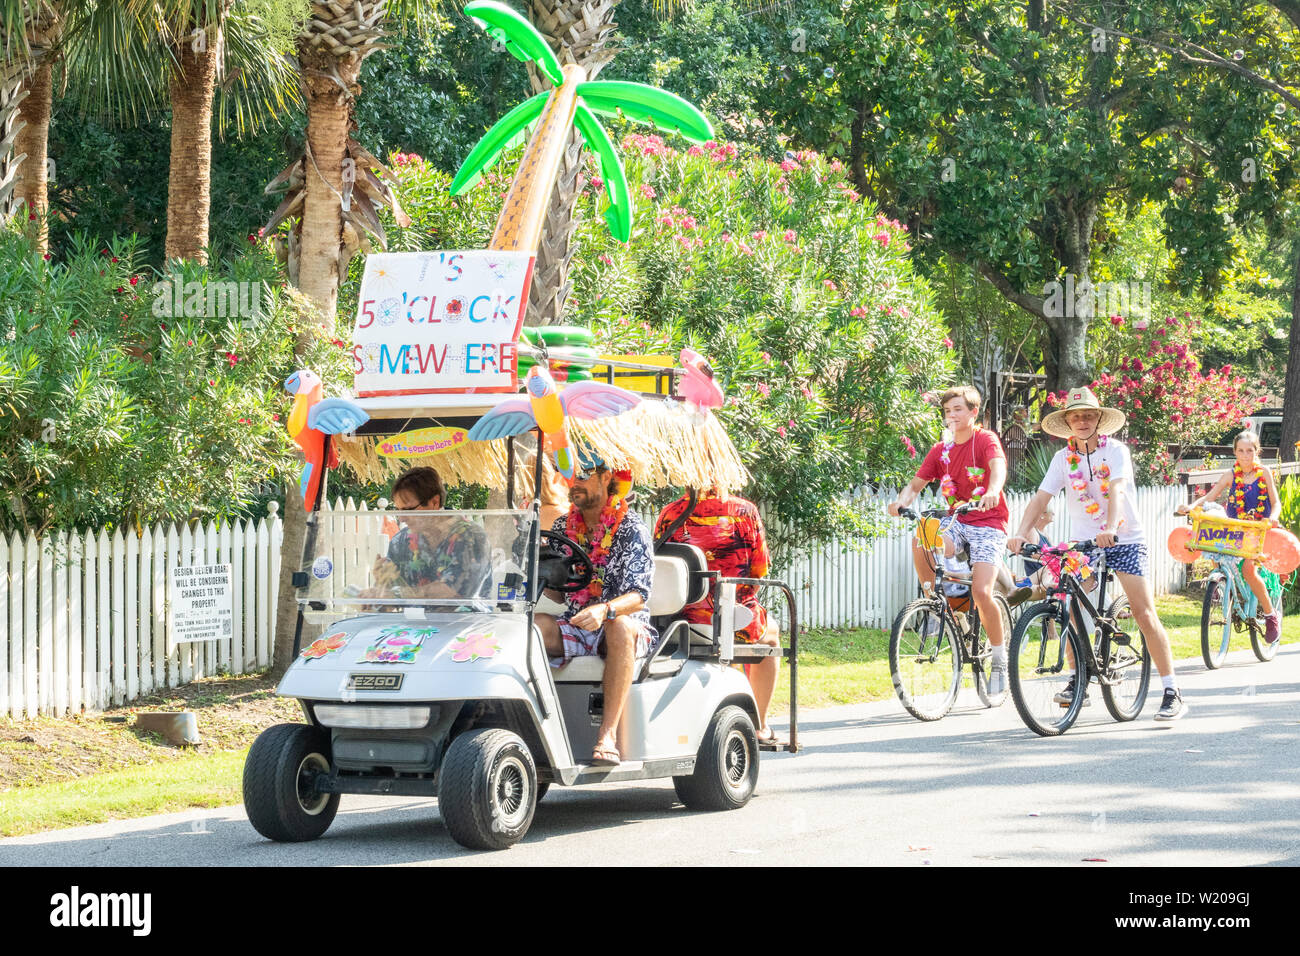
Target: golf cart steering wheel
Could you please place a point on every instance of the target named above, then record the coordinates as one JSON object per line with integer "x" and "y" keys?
{"x": 577, "y": 563}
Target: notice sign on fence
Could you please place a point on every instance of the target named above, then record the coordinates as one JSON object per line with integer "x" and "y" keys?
{"x": 201, "y": 602}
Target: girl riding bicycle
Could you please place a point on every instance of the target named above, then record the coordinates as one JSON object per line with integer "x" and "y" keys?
{"x": 1253, "y": 497}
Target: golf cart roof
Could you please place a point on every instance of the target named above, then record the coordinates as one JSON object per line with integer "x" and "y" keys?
{"x": 393, "y": 414}
{"x": 663, "y": 442}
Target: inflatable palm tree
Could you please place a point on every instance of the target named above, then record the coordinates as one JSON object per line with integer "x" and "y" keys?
{"x": 573, "y": 101}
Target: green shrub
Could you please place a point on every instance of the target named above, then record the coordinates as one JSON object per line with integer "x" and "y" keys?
{"x": 114, "y": 412}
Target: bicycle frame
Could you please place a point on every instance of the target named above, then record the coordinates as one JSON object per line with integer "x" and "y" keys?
{"x": 1242, "y": 599}
{"x": 1074, "y": 620}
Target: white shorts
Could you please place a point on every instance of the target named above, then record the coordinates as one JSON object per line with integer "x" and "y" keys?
{"x": 986, "y": 544}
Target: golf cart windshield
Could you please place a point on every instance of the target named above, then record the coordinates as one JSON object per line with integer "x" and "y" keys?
{"x": 393, "y": 559}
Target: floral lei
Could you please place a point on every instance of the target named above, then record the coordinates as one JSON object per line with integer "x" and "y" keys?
{"x": 1080, "y": 485}
{"x": 1239, "y": 484}
{"x": 1065, "y": 560}
{"x": 948, "y": 485}
{"x": 575, "y": 526}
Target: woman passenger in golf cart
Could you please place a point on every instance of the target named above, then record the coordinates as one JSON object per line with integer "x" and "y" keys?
{"x": 434, "y": 557}
{"x": 609, "y": 616}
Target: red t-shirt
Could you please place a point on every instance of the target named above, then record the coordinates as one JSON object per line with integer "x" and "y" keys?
{"x": 969, "y": 466}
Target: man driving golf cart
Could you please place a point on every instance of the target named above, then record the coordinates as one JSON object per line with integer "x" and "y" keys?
{"x": 609, "y": 616}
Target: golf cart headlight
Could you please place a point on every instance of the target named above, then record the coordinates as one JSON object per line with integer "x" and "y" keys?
{"x": 363, "y": 717}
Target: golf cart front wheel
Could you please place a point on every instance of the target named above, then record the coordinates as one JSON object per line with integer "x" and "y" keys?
{"x": 726, "y": 767}
{"x": 280, "y": 796}
{"x": 487, "y": 789}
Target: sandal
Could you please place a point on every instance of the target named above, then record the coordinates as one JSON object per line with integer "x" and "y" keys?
{"x": 603, "y": 756}
{"x": 771, "y": 738}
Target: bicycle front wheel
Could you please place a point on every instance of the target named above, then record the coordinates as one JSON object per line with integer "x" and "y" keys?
{"x": 924, "y": 660}
{"x": 1126, "y": 660}
{"x": 1216, "y": 621}
{"x": 1042, "y": 650}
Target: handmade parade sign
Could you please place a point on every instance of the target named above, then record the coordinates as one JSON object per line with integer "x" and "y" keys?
{"x": 422, "y": 442}
{"x": 1222, "y": 535}
{"x": 432, "y": 322}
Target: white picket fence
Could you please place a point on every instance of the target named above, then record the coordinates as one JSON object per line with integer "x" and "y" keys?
{"x": 843, "y": 584}
{"x": 83, "y": 618}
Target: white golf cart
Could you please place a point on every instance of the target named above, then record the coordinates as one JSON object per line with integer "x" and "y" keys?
{"x": 454, "y": 697}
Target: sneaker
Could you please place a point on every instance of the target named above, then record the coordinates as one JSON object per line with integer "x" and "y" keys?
{"x": 1273, "y": 627}
{"x": 930, "y": 626}
{"x": 1065, "y": 696}
{"x": 1172, "y": 707}
{"x": 997, "y": 685}
{"x": 1019, "y": 596}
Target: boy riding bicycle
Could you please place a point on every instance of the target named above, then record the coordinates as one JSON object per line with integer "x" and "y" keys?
{"x": 970, "y": 466}
{"x": 1096, "y": 473}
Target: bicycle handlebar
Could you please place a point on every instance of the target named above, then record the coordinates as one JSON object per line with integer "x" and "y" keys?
{"x": 1086, "y": 547}
{"x": 935, "y": 512}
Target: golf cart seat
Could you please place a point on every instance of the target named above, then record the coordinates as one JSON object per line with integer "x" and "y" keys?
{"x": 669, "y": 593}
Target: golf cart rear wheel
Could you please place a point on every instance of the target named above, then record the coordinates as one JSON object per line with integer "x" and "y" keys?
{"x": 726, "y": 767}
{"x": 280, "y": 795}
{"x": 487, "y": 789}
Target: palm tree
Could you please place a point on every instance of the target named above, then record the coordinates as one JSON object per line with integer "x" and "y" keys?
{"x": 11, "y": 124}
{"x": 575, "y": 101}
{"x": 335, "y": 189}
{"x": 203, "y": 59}
{"x": 577, "y": 31}
{"x": 32, "y": 32}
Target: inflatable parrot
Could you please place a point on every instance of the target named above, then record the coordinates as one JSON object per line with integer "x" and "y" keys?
{"x": 546, "y": 407}
{"x": 310, "y": 421}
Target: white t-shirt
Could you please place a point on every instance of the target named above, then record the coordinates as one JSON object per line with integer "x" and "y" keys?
{"x": 1114, "y": 459}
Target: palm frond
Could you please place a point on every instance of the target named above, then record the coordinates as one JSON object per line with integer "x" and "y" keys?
{"x": 619, "y": 213}
{"x": 117, "y": 71}
{"x": 507, "y": 132}
{"x": 520, "y": 37}
{"x": 260, "y": 82}
{"x": 648, "y": 104}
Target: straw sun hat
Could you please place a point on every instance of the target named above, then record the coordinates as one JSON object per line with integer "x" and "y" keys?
{"x": 1112, "y": 419}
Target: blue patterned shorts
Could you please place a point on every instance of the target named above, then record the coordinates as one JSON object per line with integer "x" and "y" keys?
{"x": 1128, "y": 558}
{"x": 986, "y": 544}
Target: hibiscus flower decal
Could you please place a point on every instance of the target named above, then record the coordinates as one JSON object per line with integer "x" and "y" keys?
{"x": 474, "y": 645}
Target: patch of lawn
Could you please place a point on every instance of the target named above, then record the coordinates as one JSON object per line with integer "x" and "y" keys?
{"x": 198, "y": 780}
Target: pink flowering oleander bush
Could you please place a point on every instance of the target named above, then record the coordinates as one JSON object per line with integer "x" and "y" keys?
{"x": 801, "y": 296}
{"x": 1150, "y": 372}
{"x": 114, "y": 413}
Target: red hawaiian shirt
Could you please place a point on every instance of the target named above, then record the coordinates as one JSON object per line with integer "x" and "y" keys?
{"x": 730, "y": 533}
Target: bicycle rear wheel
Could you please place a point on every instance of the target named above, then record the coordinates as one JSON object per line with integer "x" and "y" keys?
{"x": 1264, "y": 650}
{"x": 1039, "y": 656}
{"x": 982, "y": 664}
{"x": 926, "y": 667}
{"x": 1216, "y": 621}
{"x": 1126, "y": 658}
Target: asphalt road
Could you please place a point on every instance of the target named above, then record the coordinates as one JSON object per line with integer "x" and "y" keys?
{"x": 874, "y": 786}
